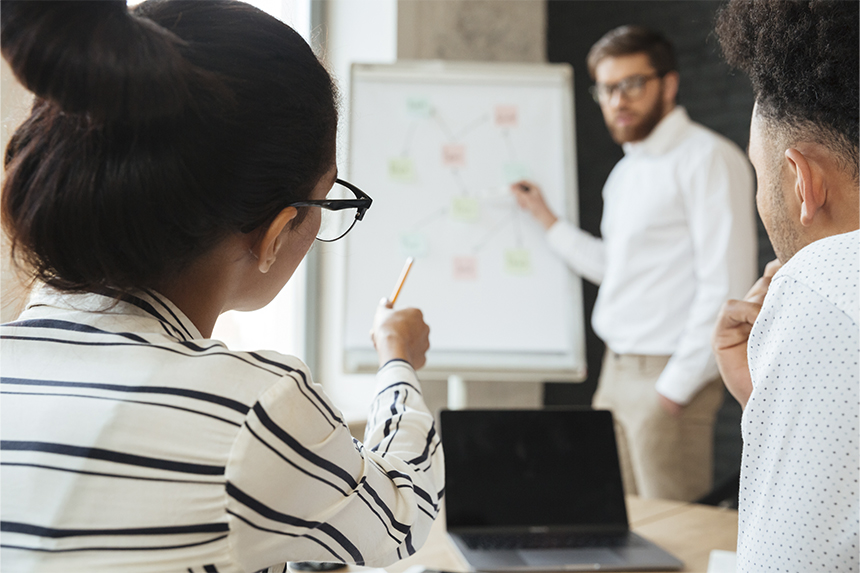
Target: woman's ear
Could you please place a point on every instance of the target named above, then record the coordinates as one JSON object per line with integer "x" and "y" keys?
{"x": 267, "y": 246}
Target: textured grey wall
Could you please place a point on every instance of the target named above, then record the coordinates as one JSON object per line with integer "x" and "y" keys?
{"x": 474, "y": 30}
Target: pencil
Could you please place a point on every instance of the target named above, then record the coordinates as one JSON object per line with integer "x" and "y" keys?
{"x": 401, "y": 280}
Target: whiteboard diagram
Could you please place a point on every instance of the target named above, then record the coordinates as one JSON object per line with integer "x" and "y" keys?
{"x": 437, "y": 147}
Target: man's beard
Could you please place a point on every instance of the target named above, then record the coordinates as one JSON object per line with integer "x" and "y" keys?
{"x": 637, "y": 131}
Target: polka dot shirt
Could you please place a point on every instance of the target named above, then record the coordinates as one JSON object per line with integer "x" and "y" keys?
{"x": 799, "y": 476}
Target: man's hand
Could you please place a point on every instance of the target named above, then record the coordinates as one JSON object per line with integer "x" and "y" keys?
{"x": 400, "y": 334}
{"x": 732, "y": 334}
{"x": 530, "y": 198}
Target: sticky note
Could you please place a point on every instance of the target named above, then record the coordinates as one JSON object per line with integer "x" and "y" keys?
{"x": 454, "y": 155}
{"x": 465, "y": 209}
{"x": 401, "y": 169}
{"x": 515, "y": 171}
{"x": 465, "y": 268}
{"x": 414, "y": 244}
{"x": 506, "y": 115}
{"x": 420, "y": 107}
{"x": 518, "y": 262}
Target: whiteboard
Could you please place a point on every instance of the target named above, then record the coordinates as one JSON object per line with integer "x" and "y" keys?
{"x": 437, "y": 145}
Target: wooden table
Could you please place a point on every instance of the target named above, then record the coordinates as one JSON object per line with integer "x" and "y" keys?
{"x": 687, "y": 531}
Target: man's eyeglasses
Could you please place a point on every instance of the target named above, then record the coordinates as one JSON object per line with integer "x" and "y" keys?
{"x": 631, "y": 87}
{"x": 342, "y": 207}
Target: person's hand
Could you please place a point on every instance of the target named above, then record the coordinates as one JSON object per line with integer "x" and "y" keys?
{"x": 670, "y": 406}
{"x": 530, "y": 198}
{"x": 400, "y": 334}
{"x": 732, "y": 334}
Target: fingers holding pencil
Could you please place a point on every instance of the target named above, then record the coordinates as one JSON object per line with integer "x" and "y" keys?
{"x": 400, "y": 334}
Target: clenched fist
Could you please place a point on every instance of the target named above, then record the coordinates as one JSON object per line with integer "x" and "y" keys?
{"x": 400, "y": 334}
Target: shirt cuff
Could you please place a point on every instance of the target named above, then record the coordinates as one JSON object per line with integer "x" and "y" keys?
{"x": 395, "y": 372}
{"x": 561, "y": 236}
{"x": 681, "y": 385}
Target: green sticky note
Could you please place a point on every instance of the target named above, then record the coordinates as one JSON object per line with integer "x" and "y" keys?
{"x": 518, "y": 262}
{"x": 414, "y": 244}
{"x": 515, "y": 171}
{"x": 465, "y": 209}
{"x": 419, "y": 107}
{"x": 401, "y": 169}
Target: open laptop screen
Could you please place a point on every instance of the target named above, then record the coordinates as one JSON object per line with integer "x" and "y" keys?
{"x": 532, "y": 468}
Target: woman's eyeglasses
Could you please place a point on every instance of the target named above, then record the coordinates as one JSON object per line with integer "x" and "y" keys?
{"x": 343, "y": 206}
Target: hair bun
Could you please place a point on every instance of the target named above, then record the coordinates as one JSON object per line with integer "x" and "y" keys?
{"x": 95, "y": 57}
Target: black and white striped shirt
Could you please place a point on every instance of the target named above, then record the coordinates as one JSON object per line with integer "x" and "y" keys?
{"x": 130, "y": 443}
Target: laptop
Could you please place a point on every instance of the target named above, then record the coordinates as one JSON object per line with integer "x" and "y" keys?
{"x": 540, "y": 490}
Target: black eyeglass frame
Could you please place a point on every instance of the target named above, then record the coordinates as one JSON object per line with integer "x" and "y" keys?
{"x": 643, "y": 78}
{"x": 362, "y": 203}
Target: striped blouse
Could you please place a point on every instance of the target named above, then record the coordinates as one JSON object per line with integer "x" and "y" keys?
{"x": 130, "y": 443}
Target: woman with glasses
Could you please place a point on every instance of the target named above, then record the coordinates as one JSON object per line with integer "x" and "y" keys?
{"x": 176, "y": 164}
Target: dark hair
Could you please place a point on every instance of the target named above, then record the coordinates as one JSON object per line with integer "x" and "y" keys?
{"x": 626, "y": 40}
{"x": 802, "y": 60}
{"x": 155, "y": 134}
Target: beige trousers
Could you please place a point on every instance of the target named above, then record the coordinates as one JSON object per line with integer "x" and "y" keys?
{"x": 661, "y": 456}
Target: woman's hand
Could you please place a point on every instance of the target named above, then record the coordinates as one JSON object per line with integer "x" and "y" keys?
{"x": 400, "y": 334}
{"x": 732, "y": 334}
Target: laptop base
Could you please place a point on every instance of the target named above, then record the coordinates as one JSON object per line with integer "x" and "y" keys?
{"x": 638, "y": 555}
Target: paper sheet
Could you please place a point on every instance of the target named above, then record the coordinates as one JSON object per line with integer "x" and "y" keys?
{"x": 723, "y": 562}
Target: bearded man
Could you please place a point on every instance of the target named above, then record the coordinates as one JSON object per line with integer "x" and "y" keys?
{"x": 678, "y": 238}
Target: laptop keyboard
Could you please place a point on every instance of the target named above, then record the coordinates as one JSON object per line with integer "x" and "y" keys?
{"x": 546, "y": 540}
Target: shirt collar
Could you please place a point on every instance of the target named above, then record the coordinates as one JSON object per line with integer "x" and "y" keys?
{"x": 664, "y": 136}
{"x": 142, "y": 304}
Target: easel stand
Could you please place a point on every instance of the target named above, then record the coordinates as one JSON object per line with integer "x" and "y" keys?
{"x": 457, "y": 394}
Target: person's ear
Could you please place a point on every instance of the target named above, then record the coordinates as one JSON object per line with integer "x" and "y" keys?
{"x": 671, "y": 82}
{"x": 269, "y": 243}
{"x": 808, "y": 185}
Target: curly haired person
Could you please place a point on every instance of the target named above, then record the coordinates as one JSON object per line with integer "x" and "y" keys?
{"x": 789, "y": 351}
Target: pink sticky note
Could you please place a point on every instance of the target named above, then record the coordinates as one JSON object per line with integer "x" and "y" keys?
{"x": 454, "y": 155}
{"x": 465, "y": 268}
{"x": 506, "y": 115}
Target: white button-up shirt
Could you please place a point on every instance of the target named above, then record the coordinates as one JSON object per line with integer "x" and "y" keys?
{"x": 679, "y": 238}
{"x": 799, "y": 501}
